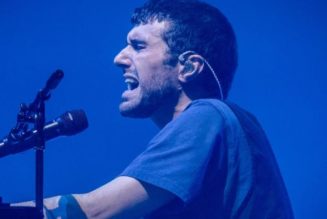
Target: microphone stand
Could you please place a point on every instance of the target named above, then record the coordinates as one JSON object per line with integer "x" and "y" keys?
{"x": 39, "y": 149}
{"x": 35, "y": 113}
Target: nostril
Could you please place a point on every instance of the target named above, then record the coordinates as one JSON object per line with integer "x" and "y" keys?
{"x": 121, "y": 62}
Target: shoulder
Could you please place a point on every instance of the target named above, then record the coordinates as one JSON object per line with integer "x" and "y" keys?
{"x": 198, "y": 113}
{"x": 213, "y": 110}
{"x": 201, "y": 116}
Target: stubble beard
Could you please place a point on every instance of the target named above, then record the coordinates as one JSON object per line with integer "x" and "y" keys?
{"x": 149, "y": 101}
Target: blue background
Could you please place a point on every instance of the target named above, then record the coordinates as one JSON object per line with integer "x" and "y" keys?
{"x": 281, "y": 79}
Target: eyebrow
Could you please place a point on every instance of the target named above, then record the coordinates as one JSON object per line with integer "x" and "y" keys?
{"x": 135, "y": 38}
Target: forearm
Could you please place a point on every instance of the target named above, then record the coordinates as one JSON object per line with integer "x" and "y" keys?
{"x": 123, "y": 197}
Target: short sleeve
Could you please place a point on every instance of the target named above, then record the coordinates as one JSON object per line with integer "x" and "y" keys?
{"x": 176, "y": 159}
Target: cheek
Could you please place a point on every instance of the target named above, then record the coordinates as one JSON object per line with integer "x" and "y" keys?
{"x": 162, "y": 82}
{"x": 148, "y": 73}
{"x": 153, "y": 72}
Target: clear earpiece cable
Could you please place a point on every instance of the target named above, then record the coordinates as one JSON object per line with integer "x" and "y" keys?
{"x": 216, "y": 78}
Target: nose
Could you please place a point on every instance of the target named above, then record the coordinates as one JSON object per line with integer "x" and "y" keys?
{"x": 122, "y": 59}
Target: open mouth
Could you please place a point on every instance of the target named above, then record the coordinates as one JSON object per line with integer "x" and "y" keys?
{"x": 131, "y": 83}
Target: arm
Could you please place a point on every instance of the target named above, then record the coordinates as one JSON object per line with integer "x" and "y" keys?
{"x": 123, "y": 197}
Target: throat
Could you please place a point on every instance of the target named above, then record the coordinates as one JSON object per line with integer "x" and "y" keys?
{"x": 168, "y": 113}
{"x": 162, "y": 118}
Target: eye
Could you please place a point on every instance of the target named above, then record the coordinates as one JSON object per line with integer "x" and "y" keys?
{"x": 138, "y": 46}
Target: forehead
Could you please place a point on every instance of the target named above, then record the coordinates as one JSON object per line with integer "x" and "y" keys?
{"x": 148, "y": 32}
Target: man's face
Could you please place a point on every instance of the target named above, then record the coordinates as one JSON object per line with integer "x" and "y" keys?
{"x": 152, "y": 84}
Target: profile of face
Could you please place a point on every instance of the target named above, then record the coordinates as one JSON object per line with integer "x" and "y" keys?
{"x": 152, "y": 83}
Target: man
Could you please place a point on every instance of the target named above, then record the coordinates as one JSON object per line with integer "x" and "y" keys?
{"x": 210, "y": 159}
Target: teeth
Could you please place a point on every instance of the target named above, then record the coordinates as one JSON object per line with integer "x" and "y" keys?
{"x": 129, "y": 81}
{"x": 131, "y": 84}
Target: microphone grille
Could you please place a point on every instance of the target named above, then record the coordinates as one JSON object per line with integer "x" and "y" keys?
{"x": 74, "y": 122}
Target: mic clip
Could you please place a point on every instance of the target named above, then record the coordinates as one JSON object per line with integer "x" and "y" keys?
{"x": 32, "y": 116}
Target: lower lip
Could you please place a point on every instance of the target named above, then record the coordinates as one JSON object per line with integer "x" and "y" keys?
{"x": 128, "y": 94}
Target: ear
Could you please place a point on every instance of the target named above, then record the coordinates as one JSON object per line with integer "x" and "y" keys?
{"x": 190, "y": 68}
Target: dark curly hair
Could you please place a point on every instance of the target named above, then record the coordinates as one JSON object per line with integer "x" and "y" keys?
{"x": 196, "y": 26}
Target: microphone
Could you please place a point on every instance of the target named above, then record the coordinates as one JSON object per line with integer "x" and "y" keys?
{"x": 70, "y": 123}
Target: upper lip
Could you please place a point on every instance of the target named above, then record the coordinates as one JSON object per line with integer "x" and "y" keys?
{"x": 130, "y": 76}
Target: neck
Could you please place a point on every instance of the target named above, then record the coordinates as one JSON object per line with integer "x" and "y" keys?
{"x": 170, "y": 112}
